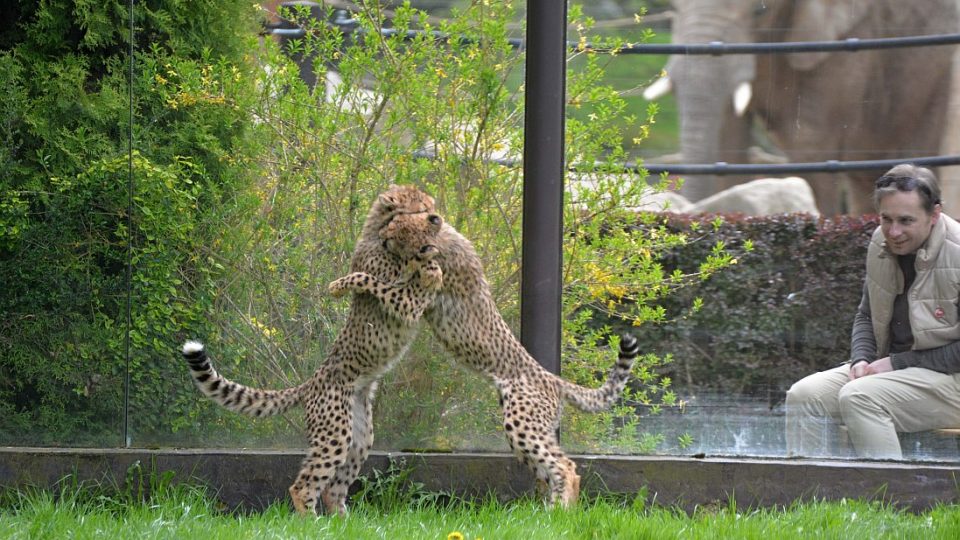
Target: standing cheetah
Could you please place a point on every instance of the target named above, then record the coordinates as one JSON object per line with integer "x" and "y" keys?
{"x": 338, "y": 397}
{"x": 466, "y": 320}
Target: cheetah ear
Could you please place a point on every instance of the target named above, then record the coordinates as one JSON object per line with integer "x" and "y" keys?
{"x": 387, "y": 202}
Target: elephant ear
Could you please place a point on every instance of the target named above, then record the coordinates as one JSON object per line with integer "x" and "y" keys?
{"x": 823, "y": 20}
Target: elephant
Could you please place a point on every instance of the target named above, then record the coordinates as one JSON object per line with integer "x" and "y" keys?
{"x": 814, "y": 106}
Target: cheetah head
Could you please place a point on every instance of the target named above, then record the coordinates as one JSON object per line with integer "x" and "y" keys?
{"x": 396, "y": 200}
{"x": 412, "y": 235}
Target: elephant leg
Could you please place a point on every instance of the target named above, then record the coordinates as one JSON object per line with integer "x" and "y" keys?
{"x": 827, "y": 193}
{"x": 858, "y": 190}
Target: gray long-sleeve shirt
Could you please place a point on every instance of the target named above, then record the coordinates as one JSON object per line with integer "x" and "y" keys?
{"x": 863, "y": 344}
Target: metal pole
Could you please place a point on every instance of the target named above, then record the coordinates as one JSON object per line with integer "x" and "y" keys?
{"x": 543, "y": 167}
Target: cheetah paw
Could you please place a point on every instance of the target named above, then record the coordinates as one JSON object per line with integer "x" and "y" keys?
{"x": 338, "y": 287}
{"x": 431, "y": 280}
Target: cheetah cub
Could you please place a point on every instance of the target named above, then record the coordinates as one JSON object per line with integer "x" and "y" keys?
{"x": 465, "y": 319}
{"x": 338, "y": 397}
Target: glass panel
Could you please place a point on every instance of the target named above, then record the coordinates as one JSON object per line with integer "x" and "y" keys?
{"x": 255, "y": 181}
{"x": 202, "y": 249}
{"x": 786, "y": 309}
{"x": 63, "y": 223}
{"x": 257, "y": 150}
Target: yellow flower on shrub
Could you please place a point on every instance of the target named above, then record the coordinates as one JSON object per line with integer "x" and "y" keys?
{"x": 602, "y": 284}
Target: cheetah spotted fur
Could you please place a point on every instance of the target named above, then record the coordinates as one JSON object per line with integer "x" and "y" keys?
{"x": 408, "y": 236}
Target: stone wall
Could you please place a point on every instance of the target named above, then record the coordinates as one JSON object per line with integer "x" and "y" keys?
{"x": 251, "y": 480}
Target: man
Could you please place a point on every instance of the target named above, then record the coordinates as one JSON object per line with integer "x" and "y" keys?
{"x": 902, "y": 375}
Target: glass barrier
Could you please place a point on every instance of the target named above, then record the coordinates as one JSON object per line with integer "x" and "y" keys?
{"x": 217, "y": 195}
{"x": 63, "y": 229}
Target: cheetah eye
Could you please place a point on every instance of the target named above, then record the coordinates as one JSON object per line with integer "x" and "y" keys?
{"x": 434, "y": 219}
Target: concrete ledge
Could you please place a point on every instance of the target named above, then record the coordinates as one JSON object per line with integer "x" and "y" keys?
{"x": 252, "y": 479}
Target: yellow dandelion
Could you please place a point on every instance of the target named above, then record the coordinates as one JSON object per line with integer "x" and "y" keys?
{"x": 455, "y": 535}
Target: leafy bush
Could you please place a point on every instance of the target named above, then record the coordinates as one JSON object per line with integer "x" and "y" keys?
{"x": 78, "y": 205}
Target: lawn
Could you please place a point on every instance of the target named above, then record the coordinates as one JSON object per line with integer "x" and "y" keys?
{"x": 387, "y": 511}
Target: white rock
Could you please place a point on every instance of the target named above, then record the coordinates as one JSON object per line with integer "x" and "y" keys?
{"x": 761, "y": 197}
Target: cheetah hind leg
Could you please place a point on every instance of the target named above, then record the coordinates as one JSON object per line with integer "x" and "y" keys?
{"x": 536, "y": 444}
{"x": 335, "y": 497}
{"x": 333, "y": 502}
{"x": 571, "y": 484}
{"x": 557, "y": 483}
{"x": 296, "y": 496}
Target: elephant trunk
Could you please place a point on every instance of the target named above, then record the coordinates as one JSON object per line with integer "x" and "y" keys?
{"x": 710, "y": 129}
{"x": 707, "y": 86}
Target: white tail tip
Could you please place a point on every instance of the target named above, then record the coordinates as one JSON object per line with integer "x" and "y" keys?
{"x": 192, "y": 347}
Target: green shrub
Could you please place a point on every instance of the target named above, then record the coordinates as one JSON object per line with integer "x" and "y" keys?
{"x": 70, "y": 223}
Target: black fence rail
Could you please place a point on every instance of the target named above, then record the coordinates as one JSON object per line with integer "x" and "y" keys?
{"x": 723, "y": 168}
{"x": 719, "y": 48}
{"x": 830, "y": 166}
{"x": 342, "y": 19}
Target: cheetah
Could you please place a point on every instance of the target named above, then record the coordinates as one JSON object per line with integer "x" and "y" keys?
{"x": 338, "y": 397}
{"x": 465, "y": 319}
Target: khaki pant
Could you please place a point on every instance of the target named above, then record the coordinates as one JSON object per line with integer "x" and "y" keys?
{"x": 873, "y": 409}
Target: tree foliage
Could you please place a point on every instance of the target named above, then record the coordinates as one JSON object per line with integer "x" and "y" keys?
{"x": 80, "y": 201}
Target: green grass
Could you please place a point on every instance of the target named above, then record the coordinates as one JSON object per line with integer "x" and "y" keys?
{"x": 386, "y": 510}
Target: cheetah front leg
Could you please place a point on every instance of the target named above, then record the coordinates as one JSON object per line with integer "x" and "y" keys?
{"x": 407, "y": 301}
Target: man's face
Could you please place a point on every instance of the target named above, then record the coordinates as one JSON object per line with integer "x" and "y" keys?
{"x": 904, "y": 222}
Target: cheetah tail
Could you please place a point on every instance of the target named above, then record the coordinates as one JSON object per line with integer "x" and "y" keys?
{"x": 598, "y": 399}
{"x": 235, "y": 397}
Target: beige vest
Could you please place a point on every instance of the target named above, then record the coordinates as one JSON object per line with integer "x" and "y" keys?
{"x": 933, "y": 296}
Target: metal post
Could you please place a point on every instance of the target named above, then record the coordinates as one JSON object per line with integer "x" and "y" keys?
{"x": 543, "y": 167}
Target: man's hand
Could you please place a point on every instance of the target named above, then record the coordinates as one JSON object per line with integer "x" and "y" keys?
{"x": 864, "y": 368}
{"x": 882, "y": 365}
{"x": 859, "y": 369}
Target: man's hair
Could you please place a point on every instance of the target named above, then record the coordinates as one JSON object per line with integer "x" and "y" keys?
{"x": 909, "y": 177}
